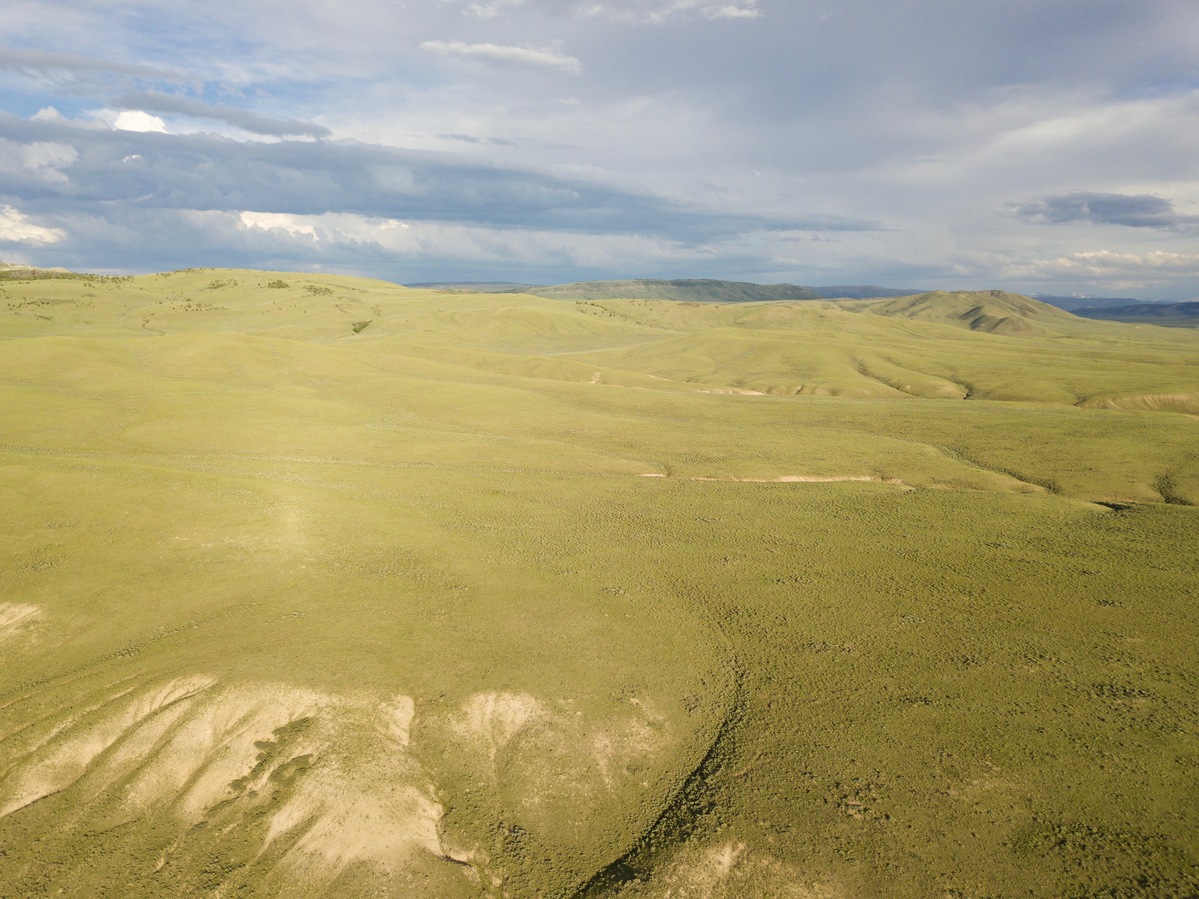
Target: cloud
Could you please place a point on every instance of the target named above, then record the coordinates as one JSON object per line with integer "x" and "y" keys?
{"x": 162, "y": 239}
{"x": 274, "y": 221}
{"x": 747, "y": 10}
{"x": 171, "y": 104}
{"x": 1101, "y": 264}
{"x": 156, "y": 201}
{"x": 136, "y": 120}
{"x": 207, "y": 172}
{"x": 471, "y": 139}
{"x": 492, "y": 9}
{"x": 697, "y": 133}
{"x": 16, "y": 228}
{"x": 473, "y": 250}
{"x": 42, "y": 160}
{"x": 1132, "y": 211}
{"x": 647, "y": 11}
{"x": 49, "y": 63}
{"x": 47, "y": 114}
{"x": 1149, "y": 273}
{"x": 502, "y": 55}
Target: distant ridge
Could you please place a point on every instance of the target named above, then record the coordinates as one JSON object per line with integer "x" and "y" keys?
{"x": 864, "y": 292}
{"x": 694, "y": 290}
{"x": 1072, "y": 304}
{"x": 705, "y": 290}
{"x": 1184, "y": 314}
{"x": 476, "y": 286}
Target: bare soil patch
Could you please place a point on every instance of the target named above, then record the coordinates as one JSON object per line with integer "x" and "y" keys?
{"x": 15, "y": 616}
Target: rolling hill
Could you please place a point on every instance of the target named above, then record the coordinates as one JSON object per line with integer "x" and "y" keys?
{"x": 990, "y": 312}
{"x": 316, "y": 585}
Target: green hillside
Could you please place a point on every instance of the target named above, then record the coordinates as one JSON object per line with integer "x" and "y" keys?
{"x": 315, "y": 585}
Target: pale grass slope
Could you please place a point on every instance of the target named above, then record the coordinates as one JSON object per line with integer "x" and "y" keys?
{"x": 563, "y": 770}
{"x": 730, "y": 870}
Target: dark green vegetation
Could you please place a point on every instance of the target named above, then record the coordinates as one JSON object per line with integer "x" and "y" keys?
{"x": 344, "y": 588}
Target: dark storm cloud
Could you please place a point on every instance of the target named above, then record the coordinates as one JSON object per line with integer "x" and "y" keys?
{"x": 208, "y": 173}
{"x": 1135, "y": 211}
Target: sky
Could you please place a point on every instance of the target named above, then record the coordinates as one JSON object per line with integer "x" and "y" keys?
{"x": 1040, "y": 146}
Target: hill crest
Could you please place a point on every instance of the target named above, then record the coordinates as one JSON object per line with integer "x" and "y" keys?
{"x": 986, "y": 311}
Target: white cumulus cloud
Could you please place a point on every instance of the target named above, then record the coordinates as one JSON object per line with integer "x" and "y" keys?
{"x": 275, "y": 221}
{"x": 136, "y": 120}
{"x": 16, "y": 228}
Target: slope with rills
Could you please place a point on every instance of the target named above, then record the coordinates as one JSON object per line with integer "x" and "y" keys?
{"x": 157, "y": 773}
{"x": 317, "y": 787}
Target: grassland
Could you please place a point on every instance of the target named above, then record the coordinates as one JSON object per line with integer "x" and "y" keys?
{"x": 314, "y": 585}
{"x": 697, "y": 290}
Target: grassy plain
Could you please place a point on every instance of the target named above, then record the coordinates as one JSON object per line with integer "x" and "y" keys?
{"x": 321, "y": 584}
